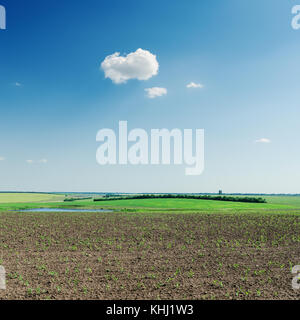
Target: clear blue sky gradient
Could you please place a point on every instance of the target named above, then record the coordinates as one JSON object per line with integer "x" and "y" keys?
{"x": 244, "y": 52}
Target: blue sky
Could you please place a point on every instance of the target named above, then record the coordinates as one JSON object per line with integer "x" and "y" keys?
{"x": 54, "y": 97}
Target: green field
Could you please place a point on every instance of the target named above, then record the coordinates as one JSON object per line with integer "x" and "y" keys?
{"x": 16, "y": 201}
{"x": 191, "y": 204}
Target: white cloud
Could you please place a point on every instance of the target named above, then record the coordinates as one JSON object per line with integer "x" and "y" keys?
{"x": 39, "y": 161}
{"x": 194, "y": 85}
{"x": 141, "y": 65}
{"x": 263, "y": 140}
{"x": 2, "y": 158}
{"x": 18, "y": 84}
{"x": 156, "y": 92}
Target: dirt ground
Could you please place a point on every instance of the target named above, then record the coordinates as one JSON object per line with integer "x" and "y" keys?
{"x": 149, "y": 255}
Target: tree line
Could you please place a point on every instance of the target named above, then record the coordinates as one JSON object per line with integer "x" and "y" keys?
{"x": 185, "y": 196}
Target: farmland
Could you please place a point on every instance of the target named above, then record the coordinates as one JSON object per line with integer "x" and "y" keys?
{"x": 151, "y": 249}
{"x": 274, "y": 204}
{"x": 10, "y": 198}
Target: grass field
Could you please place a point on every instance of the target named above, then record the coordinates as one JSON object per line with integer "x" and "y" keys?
{"x": 150, "y": 249}
{"x": 24, "y": 201}
{"x": 191, "y": 204}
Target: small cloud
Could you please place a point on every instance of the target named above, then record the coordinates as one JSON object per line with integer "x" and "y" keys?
{"x": 18, "y": 84}
{"x": 141, "y": 65}
{"x": 2, "y": 158}
{"x": 155, "y": 92}
{"x": 39, "y": 161}
{"x": 195, "y": 85}
{"x": 263, "y": 140}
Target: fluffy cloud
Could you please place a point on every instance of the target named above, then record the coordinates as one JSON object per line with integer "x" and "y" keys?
{"x": 29, "y": 161}
{"x": 155, "y": 92}
{"x": 263, "y": 140}
{"x": 194, "y": 85}
{"x": 141, "y": 65}
{"x": 2, "y": 158}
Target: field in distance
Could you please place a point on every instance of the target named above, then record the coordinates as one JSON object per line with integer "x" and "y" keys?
{"x": 273, "y": 203}
{"x": 30, "y": 197}
{"x": 18, "y": 201}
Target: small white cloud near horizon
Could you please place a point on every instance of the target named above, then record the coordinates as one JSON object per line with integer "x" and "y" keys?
{"x": 263, "y": 140}
{"x": 141, "y": 65}
{"x": 39, "y": 161}
{"x": 156, "y": 92}
{"x": 195, "y": 85}
{"x": 2, "y": 158}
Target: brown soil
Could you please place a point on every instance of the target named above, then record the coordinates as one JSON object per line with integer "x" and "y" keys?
{"x": 149, "y": 256}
